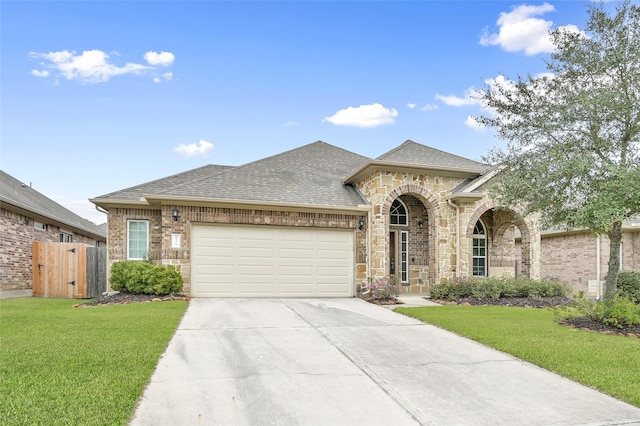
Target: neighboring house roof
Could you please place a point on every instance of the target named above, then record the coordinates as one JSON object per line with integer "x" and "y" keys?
{"x": 23, "y": 197}
{"x": 312, "y": 176}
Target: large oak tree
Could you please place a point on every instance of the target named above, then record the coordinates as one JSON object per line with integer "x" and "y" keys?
{"x": 573, "y": 134}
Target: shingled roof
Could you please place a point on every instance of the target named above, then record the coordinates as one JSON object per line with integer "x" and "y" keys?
{"x": 22, "y": 196}
{"x": 311, "y": 175}
{"x": 412, "y": 153}
{"x": 136, "y": 193}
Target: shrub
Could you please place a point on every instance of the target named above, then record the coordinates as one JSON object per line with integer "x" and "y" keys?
{"x": 629, "y": 285}
{"x": 495, "y": 288}
{"x": 145, "y": 278}
{"x": 489, "y": 288}
{"x": 384, "y": 288}
{"x": 619, "y": 312}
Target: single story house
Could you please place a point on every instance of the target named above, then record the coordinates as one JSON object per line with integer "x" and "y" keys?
{"x": 27, "y": 216}
{"x": 319, "y": 221}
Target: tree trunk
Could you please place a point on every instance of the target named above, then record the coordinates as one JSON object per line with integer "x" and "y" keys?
{"x": 615, "y": 237}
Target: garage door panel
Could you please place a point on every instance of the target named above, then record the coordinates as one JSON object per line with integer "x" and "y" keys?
{"x": 262, "y": 261}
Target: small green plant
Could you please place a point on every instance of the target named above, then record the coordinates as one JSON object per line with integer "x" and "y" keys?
{"x": 145, "y": 278}
{"x": 629, "y": 285}
{"x": 383, "y": 288}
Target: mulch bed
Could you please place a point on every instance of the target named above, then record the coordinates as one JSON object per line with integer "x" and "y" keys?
{"x": 126, "y": 298}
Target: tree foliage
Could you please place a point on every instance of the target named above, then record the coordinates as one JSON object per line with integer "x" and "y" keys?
{"x": 573, "y": 133}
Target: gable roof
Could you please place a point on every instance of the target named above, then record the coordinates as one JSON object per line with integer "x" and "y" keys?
{"x": 417, "y": 154}
{"x": 412, "y": 156}
{"x": 309, "y": 175}
{"x": 27, "y": 199}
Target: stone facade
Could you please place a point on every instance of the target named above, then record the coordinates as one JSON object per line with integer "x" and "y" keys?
{"x": 18, "y": 234}
{"x": 442, "y": 248}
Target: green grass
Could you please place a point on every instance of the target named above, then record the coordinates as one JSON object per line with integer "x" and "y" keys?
{"x": 89, "y": 366}
{"x": 608, "y": 363}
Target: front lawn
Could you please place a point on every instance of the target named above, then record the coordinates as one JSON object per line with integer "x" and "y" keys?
{"x": 86, "y": 366}
{"x": 610, "y": 364}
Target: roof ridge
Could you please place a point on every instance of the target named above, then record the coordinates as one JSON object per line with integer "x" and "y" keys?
{"x": 240, "y": 167}
{"x": 207, "y": 176}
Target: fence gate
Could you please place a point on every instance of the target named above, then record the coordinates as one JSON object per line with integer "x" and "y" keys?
{"x": 69, "y": 270}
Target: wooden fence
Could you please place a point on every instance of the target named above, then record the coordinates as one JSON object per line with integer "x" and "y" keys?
{"x": 69, "y": 270}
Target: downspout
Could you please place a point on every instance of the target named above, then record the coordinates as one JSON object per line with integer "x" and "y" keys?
{"x": 599, "y": 292}
{"x": 457, "y": 208}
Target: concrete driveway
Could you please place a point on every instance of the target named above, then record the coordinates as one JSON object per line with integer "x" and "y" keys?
{"x": 348, "y": 362}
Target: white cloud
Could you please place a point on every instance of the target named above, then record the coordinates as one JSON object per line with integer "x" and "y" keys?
{"x": 95, "y": 66}
{"x": 166, "y": 76}
{"x": 521, "y": 30}
{"x": 372, "y": 115}
{"x": 469, "y": 98}
{"x": 91, "y": 66}
{"x": 430, "y": 107}
{"x": 163, "y": 58}
{"x": 193, "y": 149}
{"x": 37, "y": 73}
{"x": 290, "y": 124}
{"x": 472, "y": 123}
{"x": 411, "y": 106}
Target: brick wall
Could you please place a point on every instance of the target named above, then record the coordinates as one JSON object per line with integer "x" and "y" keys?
{"x": 18, "y": 234}
{"x": 162, "y": 227}
{"x": 572, "y": 258}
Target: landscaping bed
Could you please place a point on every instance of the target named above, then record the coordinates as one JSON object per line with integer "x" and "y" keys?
{"x": 124, "y": 298}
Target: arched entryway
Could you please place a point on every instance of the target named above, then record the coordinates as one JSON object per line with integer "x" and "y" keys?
{"x": 410, "y": 246}
{"x": 500, "y": 242}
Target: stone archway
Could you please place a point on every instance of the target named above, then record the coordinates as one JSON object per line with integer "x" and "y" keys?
{"x": 503, "y": 257}
{"x": 422, "y": 243}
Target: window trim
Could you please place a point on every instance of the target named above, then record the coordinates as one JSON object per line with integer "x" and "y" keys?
{"x": 404, "y": 256}
{"x": 129, "y": 222}
{"x": 394, "y": 214}
{"x": 64, "y": 234}
{"x": 473, "y": 246}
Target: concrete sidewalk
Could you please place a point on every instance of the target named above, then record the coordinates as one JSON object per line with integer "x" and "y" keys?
{"x": 349, "y": 362}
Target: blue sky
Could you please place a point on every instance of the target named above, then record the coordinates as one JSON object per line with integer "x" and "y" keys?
{"x": 100, "y": 96}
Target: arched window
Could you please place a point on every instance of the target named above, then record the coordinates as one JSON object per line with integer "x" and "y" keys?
{"x": 479, "y": 250}
{"x": 398, "y": 213}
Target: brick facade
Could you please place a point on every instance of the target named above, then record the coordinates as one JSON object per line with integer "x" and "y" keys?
{"x": 162, "y": 227}
{"x": 573, "y": 258}
{"x": 18, "y": 234}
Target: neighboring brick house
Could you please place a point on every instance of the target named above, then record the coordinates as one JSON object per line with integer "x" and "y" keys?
{"x": 581, "y": 258}
{"x": 27, "y": 216}
{"x": 319, "y": 221}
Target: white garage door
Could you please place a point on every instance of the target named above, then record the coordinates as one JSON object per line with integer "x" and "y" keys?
{"x": 261, "y": 261}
